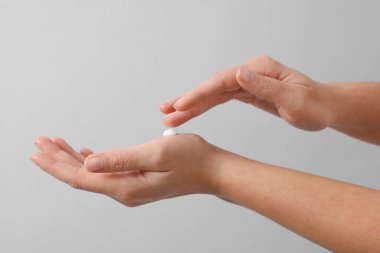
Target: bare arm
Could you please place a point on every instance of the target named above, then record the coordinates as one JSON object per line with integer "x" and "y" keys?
{"x": 356, "y": 110}
{"x": 338, "y": 216}
{"x": 352, "y": 108}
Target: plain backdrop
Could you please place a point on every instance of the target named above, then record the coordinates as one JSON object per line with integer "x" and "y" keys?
{"x": 94, "y": 73}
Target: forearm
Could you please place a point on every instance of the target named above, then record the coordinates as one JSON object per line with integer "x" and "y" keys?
{"x": 336, "y": 215}
{"x": 355, "y": 109}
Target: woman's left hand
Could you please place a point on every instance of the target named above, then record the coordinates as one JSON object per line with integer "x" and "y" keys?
{"x": 162, "y": 168}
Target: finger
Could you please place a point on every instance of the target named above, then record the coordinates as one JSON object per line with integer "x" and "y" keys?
{"x": 266, "y": 66}
{"x": 262, "y": 86}
{"x": 86, "y": 152}
{"x": 260, "y": 103}
{"x": 123, "y": 159}
{"x": 68, "y": 149}
{"x": 177, "y": 118}
{"x": 60, "y": 170}
{"x": 131, "y": 188}
{"x": 107, "y": 183}
{"x": 52, "y": 149}
{"x": 226, "y": 81}
{"x": 79, "y": 178}
{"x": 222, "y": 82}
{"x": 167, "y": 106}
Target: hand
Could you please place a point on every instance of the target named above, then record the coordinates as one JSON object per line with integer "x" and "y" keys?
{"x": 264, "y": 83}
{"x": 163, "y": 168}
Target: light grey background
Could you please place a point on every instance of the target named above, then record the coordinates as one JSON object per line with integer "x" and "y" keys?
{"x": 94, "y": 72}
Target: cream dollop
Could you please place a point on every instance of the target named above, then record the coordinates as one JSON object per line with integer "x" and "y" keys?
{"x": 169, "y": 132}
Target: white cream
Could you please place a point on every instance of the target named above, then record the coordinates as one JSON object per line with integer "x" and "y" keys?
{"x": 169, "y": 132}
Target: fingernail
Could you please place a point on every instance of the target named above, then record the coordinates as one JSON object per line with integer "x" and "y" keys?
{"x": 165, "y": 103}
{"x": 245, "y": 75}
{"x": 94, "y": 164}
{"x": 177, "y": 105}
{"x": 169, "y": 101}
{"x": 33, "y": 158}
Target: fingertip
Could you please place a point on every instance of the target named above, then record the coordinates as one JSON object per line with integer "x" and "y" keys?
{"x": 89, "y": 157}
{"x": 37, "y": 158}
{"x": 34, "y": 157}
{"x": 191, "y": 100}
{"x": 94, "y": 164}
{"x": 244, "y": 75}
{"x": 170, "y": 122}
{"x": 39, "y": 140}
{"x": 83, "y": 150}
{"x": 166, "y": 108}
{"x": 86, "y": 152}
{"x": 162, "y": 107}
{"x": 168, "y": 104}
{"x": 180, "y": 105}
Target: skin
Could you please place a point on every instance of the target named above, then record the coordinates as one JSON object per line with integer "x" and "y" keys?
{"x": 339, "y": 216}
{"x": 351, "y": 108}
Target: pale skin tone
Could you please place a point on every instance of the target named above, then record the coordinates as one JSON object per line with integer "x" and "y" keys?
{"x": 339, "y": 216}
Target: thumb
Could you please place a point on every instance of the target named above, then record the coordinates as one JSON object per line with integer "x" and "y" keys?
{"x": 262, "y": 86}
{"x": 116, "y": 160}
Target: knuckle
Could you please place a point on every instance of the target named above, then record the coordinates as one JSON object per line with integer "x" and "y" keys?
{"x": 131, "y": 162}
{"x": 118, "y": 162}
{"x": 121, "y": 161}
{"x": 199, "y": 93}
{"x": 265, "y": 58}
{"x": 270, "y": 88}
{"x": 262, "y": 61}
{"x": 220, "y": 78}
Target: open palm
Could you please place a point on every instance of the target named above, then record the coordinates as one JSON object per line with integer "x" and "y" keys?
{"x": 61, "y": 161}
{"x": 165, "y": 167}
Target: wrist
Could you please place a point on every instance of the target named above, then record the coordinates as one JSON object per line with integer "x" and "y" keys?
{"x": 212, "y": 170}
{"x": 334, "y": 103}
{"x": 229, "y": 173}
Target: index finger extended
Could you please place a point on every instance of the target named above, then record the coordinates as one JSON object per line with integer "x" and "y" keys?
{"x": 222, "y": 82}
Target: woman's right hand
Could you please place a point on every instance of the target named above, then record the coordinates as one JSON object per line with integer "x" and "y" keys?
{"x": 264, "y": 83}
